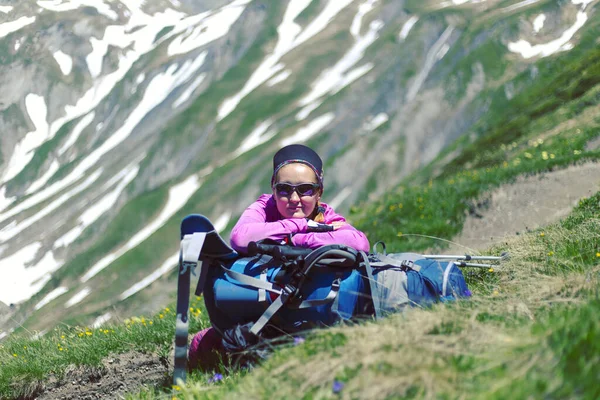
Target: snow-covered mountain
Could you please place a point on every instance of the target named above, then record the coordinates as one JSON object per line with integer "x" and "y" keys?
{"x": 119, "y": 117}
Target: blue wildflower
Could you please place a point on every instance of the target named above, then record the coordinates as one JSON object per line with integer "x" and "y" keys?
{"x": 298, "y": 340}
{"x": 337, "y": 386}
{"x": 216, "y": 378}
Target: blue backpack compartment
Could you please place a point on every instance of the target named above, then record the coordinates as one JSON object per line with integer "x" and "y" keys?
{"x": 230, "y": 302}
{"x": 317, "y": 286}
{"x": 436, "y": 281}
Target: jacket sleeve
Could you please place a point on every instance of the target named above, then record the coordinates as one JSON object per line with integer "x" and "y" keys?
{"x": 346, "y": 235}
{"x": 253, "y": 226}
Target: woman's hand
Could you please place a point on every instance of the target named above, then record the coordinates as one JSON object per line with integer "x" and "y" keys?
{"x": 318, "y": 227}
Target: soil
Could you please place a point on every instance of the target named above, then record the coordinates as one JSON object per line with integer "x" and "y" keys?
{"x": 119, "y": 374}
{"x": 527, "y": 204}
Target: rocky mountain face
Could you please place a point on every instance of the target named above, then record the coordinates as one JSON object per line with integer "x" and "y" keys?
{"x": 119, "y": 117}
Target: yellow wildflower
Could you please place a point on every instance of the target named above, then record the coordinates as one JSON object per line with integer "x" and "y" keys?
{"x": 551, "y": 253}
{"x": 542, "y": 234}
{"x": 491, "y": 270}
{"x": 598, "y": 254}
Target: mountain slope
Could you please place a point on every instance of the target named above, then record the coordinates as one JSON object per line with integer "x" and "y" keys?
{"x": 171, "y": 108}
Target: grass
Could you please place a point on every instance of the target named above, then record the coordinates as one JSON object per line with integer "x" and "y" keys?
{"x": 517, "y": 137}
{"x": 530, "y": 330}
{"x": 27, "y": 365}
{"x": 530, "y": 322}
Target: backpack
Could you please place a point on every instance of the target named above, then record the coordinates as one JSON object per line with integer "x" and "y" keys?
{"x": 280, "y": 289}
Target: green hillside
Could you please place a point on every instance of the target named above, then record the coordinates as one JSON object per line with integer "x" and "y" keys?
{"x": 531, "y": 329}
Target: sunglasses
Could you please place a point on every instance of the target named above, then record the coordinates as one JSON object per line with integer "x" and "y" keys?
{"x": 303, "y": 189}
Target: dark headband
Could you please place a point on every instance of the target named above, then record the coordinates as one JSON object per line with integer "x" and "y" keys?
{"x": 298, "y": 153}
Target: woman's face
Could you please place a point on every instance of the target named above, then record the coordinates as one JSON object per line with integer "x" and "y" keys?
{"x": 293, "y": 205}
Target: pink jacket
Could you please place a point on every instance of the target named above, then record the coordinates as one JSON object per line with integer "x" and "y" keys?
{"x": 261, "y": 220}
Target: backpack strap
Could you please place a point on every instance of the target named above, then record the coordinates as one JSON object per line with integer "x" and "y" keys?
{"x": 372, "y": 285}
{"x": 325, "y": 254}
{"x": 445, "y": 279}
{"x": 252, "y": 282}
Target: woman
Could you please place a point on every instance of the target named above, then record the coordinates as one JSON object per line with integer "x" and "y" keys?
{"x": 294, "y": 213}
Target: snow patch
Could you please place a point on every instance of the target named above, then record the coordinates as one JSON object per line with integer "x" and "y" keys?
{"x": 375, "y": 122}
{"x": 9, "y": 27}
{"x": 538, "y": 23}
{"x": 93, "y": 213}
{"x": 65, "y": 62}
{"x": 24, "y": 150}
{"x": 156, "y": 92}
{"x": 306, "y": 110}
{"x": 12, "y": 230}
{"x": 430, "y": 60}
{"x": 211, "y": 28}
{"x": 59, "y": 291}
{"x": 101, "y": 320}
{"x": 6, "y": 9}
{"x": 189, "y": 90}
{"x": 257, "y": 137}
{"x": 221, "y": 222}
{"x": 519, "y": 5}
{"x": 526, "y": 50}
{"x": 290, "y": 36}
{"x": 178, "y": 196}
{"x": 82, "y": 294}
{"x": 308, "y": 131}
{"x": 5, "y": 201}
{"x": 407, "y": 27}
{"x": 169, "y": 264}
{"x": 69, "y": 5}
{"x": 363, "y": 9}
{"x": 584, "y": 3}
{"x": 280, "y": 77}
{"x": 341, "y": 196}
{"x": 137, "y": 42}
{"x": 81, "y": 125}
{"x": 20, "y": 279}
{"x": 38, "y": 184}
{"x": 334, "y": 79}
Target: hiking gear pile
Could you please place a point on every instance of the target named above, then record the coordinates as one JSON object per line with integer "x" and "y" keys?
{"x": 278, "y": 289}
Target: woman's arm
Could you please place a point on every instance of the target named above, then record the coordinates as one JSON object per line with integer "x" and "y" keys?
{"x": 253, "y": 226}
{"x": 346, "y": 235}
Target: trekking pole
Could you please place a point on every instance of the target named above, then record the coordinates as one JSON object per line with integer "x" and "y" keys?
{"x": 475, "y": 265}
{"x": 504, "y": 256}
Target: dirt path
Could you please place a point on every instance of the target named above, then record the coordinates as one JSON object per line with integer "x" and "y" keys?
{"x": 527, "y": 204}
